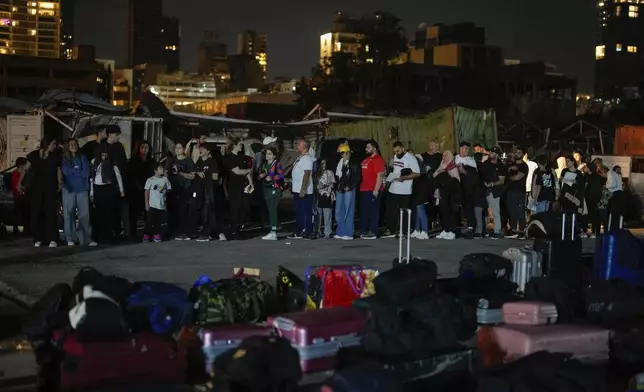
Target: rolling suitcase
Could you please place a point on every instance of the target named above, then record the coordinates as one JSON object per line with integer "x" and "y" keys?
{"x": 526, "y": 264}
{"x": 529, "y": 313}
{"x": 619, "y": 255}
{"x": 317, "y": 335}
{"x": 586, "y": 343}
{"x": 562, "y": 255}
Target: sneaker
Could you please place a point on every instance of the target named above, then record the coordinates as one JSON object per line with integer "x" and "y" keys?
{"x": 347, "y": 238}
{"x": 422, "y": 235}
{"x": 495, "y": 236}
{"x": 415, "y": 234}
{"x": 157, "y": 238}
{"x": 93, "y": 244}
{"x": 70, "y": 244}
{"x": 478, "y": 236}
{"x": 593, "y": 236}
{"x": 512, "y": 235}
{"x": 449, "y": 236}
{"x": 368, "y": 236}
{"x": 222, "y": 237}
{"x": 583, "y": 235}
{"x": 53, "y": 244}
{"x": 388, "y": 234}
{"x": 441, "y": 235}
{"x": 338, "y": 237}
{"x": 522, "y": 236}
{"x": 203, "y": 239}
{"x": 37, "y": 244}
{"x": 327, "y": 236}
{"x": 146, "y": 238}
{"x": 295, "y": 236}
{"x": 272, "y": 236}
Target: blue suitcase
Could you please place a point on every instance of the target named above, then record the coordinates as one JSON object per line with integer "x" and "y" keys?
{"x": 160, "y": 307}
{"x": 619, "y": 255}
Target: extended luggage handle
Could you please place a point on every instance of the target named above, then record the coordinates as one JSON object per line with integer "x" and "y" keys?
{"x": 610, "y": 220}
{"x": 563, "y": 227}
{"x": 400, "y": 236}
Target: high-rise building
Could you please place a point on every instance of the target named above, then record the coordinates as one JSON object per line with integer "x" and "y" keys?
{"x": 30, "y": 28}
{"x": 251, "y": 43}
{"x": 343, "y": 38}
{"x": 144, "y": 42}
{"x": 619, "y": 64}
{"x": 212, "y": 55}
{"x": 67, "y": 15}
{"x": 171, "y": 35}
{"x": 180, "y": 89}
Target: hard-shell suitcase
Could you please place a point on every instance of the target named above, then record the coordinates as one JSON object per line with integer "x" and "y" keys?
{"x": 529, "y": 313}
{"x": 489, "y": 312}
{"x": 585, "y": 343}
{"x": 619, "y": 255}
{"x": 526, "y": 264}
{"x": 145, "y": 357}
{"x": 218, "y": 339}
{"x": 318, "y": 334}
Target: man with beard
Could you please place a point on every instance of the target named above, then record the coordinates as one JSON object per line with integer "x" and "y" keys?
{"x": 493, "y": 174}
{"x": 405, "y": 170}
{"x": 371, "y": 187}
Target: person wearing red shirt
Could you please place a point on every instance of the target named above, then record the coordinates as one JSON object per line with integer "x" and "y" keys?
{"x": 371, "y": 187}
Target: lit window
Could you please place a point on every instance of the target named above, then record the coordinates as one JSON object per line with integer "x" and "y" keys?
{"x": 631, "y": 49}
{"x": 633, "y": 11}
{"x": 33, "y": 11}
{"x": 338, "y": 46}
{"x": 601, "y": 4}
{"x": 618, "y": 47}
{"x": 600, "y": 51}
{"x": 3, "y": 51}
{"x": 618, "y": 10}
{"x": 33, "y": 32}
{"x": 14, "y": 9}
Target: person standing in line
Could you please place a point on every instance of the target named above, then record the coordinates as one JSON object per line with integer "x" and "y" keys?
{"x": 92, "y": 148}
{"x": 348, "y": 175}
{"x": 405, "y": 170}
{"x": 240, "y": 171}
{"x": 545, "y": 187}
{"x": 448, "y": 194}
{"x": 141, "y": 167}
{"x": 116, "y": 152}
{"x": 20, "y": 200}
{"x": 207, "y": 174}
{"x": 156, "y": 189}
{"x": 431, "y": 160}
{"x": 468, "y": 169}
{"x": 181, "y": 172}
{"x": 194, "y": 150}
{"x": 532, "y": 167}
{"x": 75, "y": 172}
{"x": 493, "y": 176}
{"x": 106, "y": 190}
{"x": 42, "y": 169}
{"x": 302, "y": 189}
{"x": 272, "y": 177}
{"x": 516, "y": 190}
{"x": 419, "y": 200}
{"x": 325, "y": 186}
{"x": 371, "y": 188}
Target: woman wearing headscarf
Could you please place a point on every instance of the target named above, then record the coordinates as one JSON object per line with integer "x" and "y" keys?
{"x": 448, "y": 195}
{"x": 348, "y": 175}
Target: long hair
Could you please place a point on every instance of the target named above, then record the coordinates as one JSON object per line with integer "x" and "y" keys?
{"x": 148, "y": 157}
{"x": 107, "y": 167}
{"x": 45, "y": 142}
{"x": 233, "y": 142}
{"x": 69, "y": 156}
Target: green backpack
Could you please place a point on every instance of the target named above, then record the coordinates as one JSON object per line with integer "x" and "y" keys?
{"x": 229, "y": 301}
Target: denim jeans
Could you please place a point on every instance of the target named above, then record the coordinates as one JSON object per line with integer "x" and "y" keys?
{"x": 76, "y": 204}
{"x": 327, "y": 215}
{"x": 345, "y": 204}
{"x": 541, "y": 206}
{"x": 303, "y": 207}
{"x": 369, "y": 212}
{"x": 421, "y": 218}
{"x": 495, "y": 205}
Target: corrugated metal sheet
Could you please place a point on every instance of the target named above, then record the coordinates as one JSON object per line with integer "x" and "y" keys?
{"x": 448, "y": 127}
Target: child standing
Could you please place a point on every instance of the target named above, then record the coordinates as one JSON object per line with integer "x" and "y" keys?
{"x": 156, "y": 188}
{"x": 325, "y": 185}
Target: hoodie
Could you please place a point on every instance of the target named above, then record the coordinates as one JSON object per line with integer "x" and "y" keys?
{"x": 76, "y": 174}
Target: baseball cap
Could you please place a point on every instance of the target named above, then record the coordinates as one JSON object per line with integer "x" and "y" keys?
{"x": 496, "y": 150}
{"x": 268, "y": 140}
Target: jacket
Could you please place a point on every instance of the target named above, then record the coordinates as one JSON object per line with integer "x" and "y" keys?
{"x": 349, "y": 176}
{"x": 76, "y": 174}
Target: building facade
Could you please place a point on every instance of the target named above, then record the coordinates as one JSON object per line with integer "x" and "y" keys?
{"x": 250, "y": 43}
{"x": 619, "y": 64}
{"x": 67, "y": 15}
{"x": 171, "y": 35}
{"x": 180, "y": 89}
{"x": 212, "y": 56}
{"x": 105, "y": 79}
{"x": 30, "y": 28}
{"x": 143, "y": 37}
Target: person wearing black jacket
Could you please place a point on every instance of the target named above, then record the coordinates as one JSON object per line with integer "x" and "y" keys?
{"x": 181, "y": 172}
{"x": 479, "y": 200}
{"x": 141, "y": 167}
{"x": 116, "y": 152}
{"x": 431, "y": 160}
{"x": 348, "y": 175}
{"x": 203, "y": 202}
{"x": 516, "y": 190}
{"x": 573, "y": 187}
{"x": 468, "y": 170}
{"x": 593, "y": 194}
{"x": 450, "y": 195}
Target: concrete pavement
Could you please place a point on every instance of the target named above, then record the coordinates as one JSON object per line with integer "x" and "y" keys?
{"x": 26, "y": 273}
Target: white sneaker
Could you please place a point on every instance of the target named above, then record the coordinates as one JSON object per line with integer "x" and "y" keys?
{"x": 93, "y": 243}
{"x": 37, "y": 244}
{"x": 53, "y": 244}
{"x": 442, "y": 235}
{"x": 338, "y": 237}
{"x": 222, "y": 237}
{"x": 415, "y": 234}
{"x": 272, "y": 236}
{"x": 450, "y": 236}
{"x": 422, "y": 236}
{"x": 70, "y": 244}
{"x": 347, "y": 238}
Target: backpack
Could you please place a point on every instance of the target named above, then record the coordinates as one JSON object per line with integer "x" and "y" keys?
{"x": 159, "y": 307}
{"x": 115, "y": 287}
{"x": 48, "y": 313}
{"x": 482, "y": 266}
{"x": 97, "y": 317}
{"x": 229, "y": 301}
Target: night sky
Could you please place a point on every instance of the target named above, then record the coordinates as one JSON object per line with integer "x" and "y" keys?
{"x": 555, "y": 31}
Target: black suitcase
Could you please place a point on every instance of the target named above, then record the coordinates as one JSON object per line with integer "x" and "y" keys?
{"x": 562, "y": 255}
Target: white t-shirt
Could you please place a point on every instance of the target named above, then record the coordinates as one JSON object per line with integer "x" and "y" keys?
{"x": 532, "y": 166}
{"x": 158, "y": 187}
{"x": 408, "y": 161}
{"x": 302, "y": 164}
{"x": 465, "y": 161}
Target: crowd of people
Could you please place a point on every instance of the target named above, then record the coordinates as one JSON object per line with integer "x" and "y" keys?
{"x": 104, "y": 194}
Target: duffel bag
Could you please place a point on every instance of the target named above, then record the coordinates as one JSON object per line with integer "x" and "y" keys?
{"x": 49, "y": 313}
{"x": 159, "y": 307}
{"x": 97, "y": 317}
{"x": 482, "y": 266}
{"x": 229, "y": 301}
{"x": 406, "y": 281}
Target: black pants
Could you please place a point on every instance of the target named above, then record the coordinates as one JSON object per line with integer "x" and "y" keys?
{"x": 468, "y": 210}
{"x": 107, "y": 213}
{"x": 207, "y": 213}
{"x": 43, "y": 214}
{"x": 238, "y": 203}
{"x": 448, "y": 216}
{"x": 154, "y": 220}
{"x": 21, "y": 214}
{"x": 137, "y": 207}
{"x": 394, "y": 203}
{"x": 179, "y": 212}
{"x": 516, "y": 210}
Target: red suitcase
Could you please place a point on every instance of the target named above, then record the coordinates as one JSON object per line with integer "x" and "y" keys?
{"x": 147, "y": 357}
{"x": 318, "y": 334}
{"x": 585, "y": 343}
{"x": 529, "y": 313}
{"x": 219, "y": 339}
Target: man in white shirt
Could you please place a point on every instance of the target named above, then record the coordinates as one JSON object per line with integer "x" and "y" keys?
{"x": 302, "y": 189}
{"x": 404, "y": 169}
{"x": 468, "y": 170}
{"x": 532, "y": 166}
{"x": 616, "y": 201}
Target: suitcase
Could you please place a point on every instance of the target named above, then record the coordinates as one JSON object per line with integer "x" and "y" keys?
{"x": 585, "y": 343}
{"x": 338, "y": 285}
{"x": 318, "y": 334}
{"x": 159, "y": 307}
{"x": 562, "y": 256}
{"x": 619, "y": 255}
{"x": 146, "y": 357}
{"x": 218, "y": 339}
{"x": 526, "y": 264}
{"x": 489, "y": 309}
{"x": 529, "y": 313}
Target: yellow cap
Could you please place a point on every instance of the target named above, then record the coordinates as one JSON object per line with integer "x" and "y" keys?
{"x": 342, "y": 148}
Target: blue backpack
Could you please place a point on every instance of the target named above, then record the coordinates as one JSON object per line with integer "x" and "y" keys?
{"x": 159, "y": 307}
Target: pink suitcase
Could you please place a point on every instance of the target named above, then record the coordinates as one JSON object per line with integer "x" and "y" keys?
{"x": 318, "y": 334}
{"x": 529, "y": 313}
{"x": 585, "y": 343}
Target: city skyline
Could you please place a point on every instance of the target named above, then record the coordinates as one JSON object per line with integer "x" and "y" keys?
{"x": 528, "y": 31}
